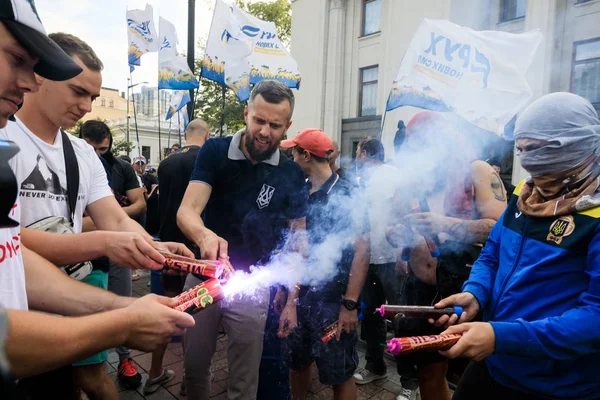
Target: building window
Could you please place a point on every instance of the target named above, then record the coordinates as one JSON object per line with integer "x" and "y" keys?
{"x": 368, "y": 90}
{"x": 512, "y": 9}
{"x": 111, "y": 103}
{"x": 103, "y": 102}
{"x": 146, "y": 150}
{"x": 371, "y": 17}
{"x": 586, "y": 70}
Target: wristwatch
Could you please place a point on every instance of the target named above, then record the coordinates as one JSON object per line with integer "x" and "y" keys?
{"x": 350, "y": 305}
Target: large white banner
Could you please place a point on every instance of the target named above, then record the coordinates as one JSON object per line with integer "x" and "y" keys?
{"x": 479, "y": 76}
{"x": 141, "y": 35}
{"x": 173, "y": 69}
{"x": 243, "y": 50}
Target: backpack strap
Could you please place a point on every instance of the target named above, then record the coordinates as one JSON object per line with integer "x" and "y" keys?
{"x": 72, "y": 174}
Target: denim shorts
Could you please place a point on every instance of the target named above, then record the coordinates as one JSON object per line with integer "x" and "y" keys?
{"x": 336, "y": 361}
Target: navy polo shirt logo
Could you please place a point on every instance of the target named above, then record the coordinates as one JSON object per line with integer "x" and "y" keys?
{"x": 265, "y": 195}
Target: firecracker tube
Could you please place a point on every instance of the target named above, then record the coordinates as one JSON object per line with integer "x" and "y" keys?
{"x": 200, "y": 297}
{"x": 208, "y": 268}
{"x": 391, "y": 311}
{"x": 421, "y": 206}
{"x": 404, "y": 345}
{"x": 330, "y": 332}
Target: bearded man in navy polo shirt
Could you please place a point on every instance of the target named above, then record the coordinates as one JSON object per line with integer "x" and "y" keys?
{"x": 250, "y": 196}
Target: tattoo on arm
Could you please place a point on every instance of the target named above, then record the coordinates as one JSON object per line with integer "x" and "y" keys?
{"x": 474, "y": 232}
{"x": 497, "y": 187}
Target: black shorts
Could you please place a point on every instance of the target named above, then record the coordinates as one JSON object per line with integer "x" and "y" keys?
{"x": 336, "y": 361}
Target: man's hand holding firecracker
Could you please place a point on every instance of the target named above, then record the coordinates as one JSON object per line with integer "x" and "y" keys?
{"x": 288, "y": 321}
{"x": 153, "y": 322}
{"x": 466, "y": 300}
{"x": 400, "y": 236}
{"x": 428, "y": 224}
{"x": 132, "y": 250}
{"x": 347, "y": 322}
{"x": 478, "y": 341}
{"x": 175, "y": 248}
{"x": 212, "y": 247}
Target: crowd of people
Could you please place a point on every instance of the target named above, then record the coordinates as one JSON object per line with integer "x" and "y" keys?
{"x": 436, "y": 227}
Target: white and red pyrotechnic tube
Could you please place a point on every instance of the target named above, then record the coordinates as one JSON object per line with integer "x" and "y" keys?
{"x": 221, "y": 270}
{"x": 404, "y": 345}
{"x": 200, "y": 297}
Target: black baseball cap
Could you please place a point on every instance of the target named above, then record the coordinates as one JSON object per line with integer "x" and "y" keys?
{"x": 21, "y": 19}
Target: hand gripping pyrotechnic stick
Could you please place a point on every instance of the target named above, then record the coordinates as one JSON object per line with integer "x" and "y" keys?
{"x": 410, "y": 344}
{"x": 200, "y": 297}
{"x": 209, "y": 268}
{"x": 421, "y": 206}
{"x": 391, "y": 311}
{"x": 331, "y": 330}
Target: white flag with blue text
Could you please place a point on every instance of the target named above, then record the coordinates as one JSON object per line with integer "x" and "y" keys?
{"x": 478, "y": 75}
{"x": 173, "y": 70}
{"x": 243, "y": 50}
{"x": 226, "y": 55}
{"x": 269, "y": 58}
{"x": 141, "y": 35}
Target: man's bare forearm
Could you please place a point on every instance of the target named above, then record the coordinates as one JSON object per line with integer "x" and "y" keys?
{"x": 64, "y": 249}
{"x": 136, "y": 209}
{"x": 50, "y": 290}
{"x": 190, "y": 223}
{"x": 474, "y": 232}
{"x": 129, "y": 225}
{"x": 37, "y": 342}
{"x": 359, "y": 269}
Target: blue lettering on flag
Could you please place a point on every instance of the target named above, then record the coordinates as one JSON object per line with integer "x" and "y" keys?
{"x": 480, "y": 63}
{"x": 250, "y": 31}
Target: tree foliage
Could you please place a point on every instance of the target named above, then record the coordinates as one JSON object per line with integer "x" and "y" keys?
{"x": 209, "y": 99}
{"x": 118, "y": 147}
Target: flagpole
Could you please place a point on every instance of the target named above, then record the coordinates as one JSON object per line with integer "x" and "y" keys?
{"x": 223, "y": 89}
{"x": 191, "y": 47}
{"x": 160, "y": 150}
{"x": 169, "y": 136}
{"x": 137, "y": 134}
{"x": 179, "y": 127}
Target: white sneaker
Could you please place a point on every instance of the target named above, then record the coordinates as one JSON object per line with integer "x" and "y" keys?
{"x": 364, "y": 376}
{"x": 407, "y": 394}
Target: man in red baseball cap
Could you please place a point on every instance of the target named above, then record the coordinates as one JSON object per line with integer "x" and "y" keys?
{"x": 313, "y": 140}
{"x": 334, "y": 222}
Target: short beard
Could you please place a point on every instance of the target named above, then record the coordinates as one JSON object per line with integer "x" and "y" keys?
{"x": 259, "y": 155}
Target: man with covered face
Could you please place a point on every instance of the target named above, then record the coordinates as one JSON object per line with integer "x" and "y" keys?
{"x": 249, "y": 194}
{"x": 537, "y": 280}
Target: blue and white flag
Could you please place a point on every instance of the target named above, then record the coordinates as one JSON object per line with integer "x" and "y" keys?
{"x": 141, "y": 35}
{"x": 226, "y": 55}
{"x": 182, "y": 120}
{"x": 269, "y": 59}
{"x": 179, "y": 99}
{"x": 173, "y": 70}
{"x": 243, "y": 50}
{"x": 479, "y": 76}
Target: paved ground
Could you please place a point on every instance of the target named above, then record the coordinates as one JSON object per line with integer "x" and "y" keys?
{"x": 381, "y": 390}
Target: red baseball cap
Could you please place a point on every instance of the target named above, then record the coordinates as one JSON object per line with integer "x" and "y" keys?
{"x": 313, "y": 140}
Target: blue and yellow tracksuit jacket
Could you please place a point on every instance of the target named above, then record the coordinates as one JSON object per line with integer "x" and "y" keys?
{"x": 538, "y": 282}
